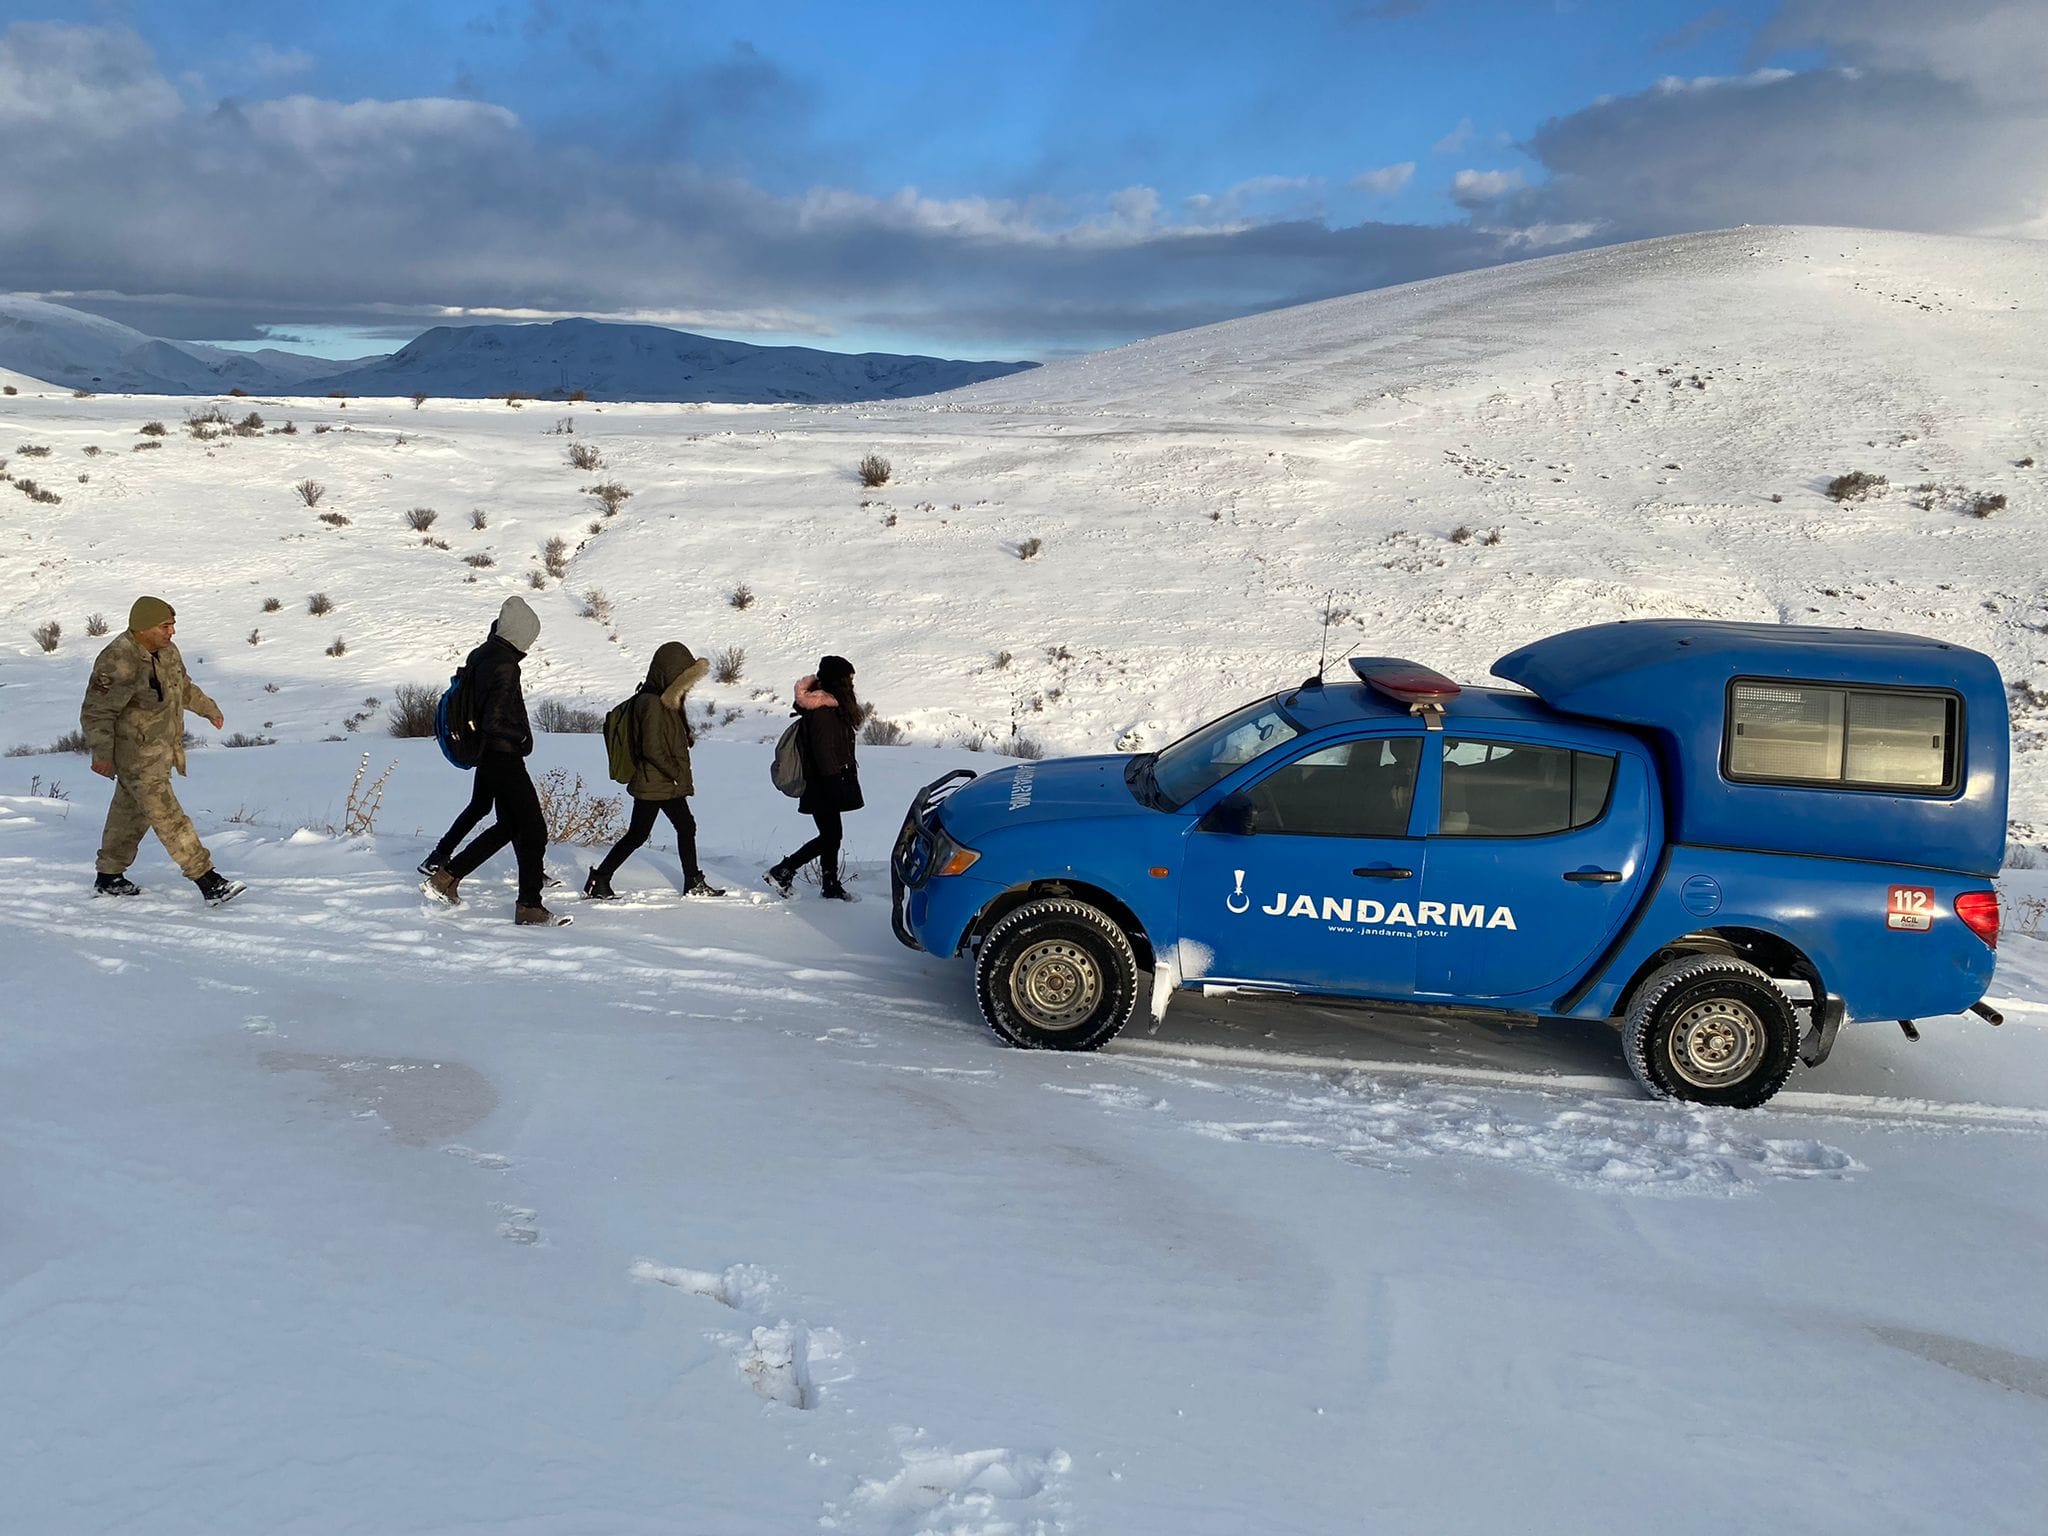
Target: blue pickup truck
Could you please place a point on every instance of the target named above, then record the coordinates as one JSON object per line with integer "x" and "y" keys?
{"x": 1726, "y": 838}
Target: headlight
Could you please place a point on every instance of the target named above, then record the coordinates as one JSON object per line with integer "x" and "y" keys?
{"x": 949, "y": 857}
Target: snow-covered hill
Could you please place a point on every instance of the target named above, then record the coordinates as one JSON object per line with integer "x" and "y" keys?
{"x": 608, "y": 361}
{"x": 334, "y": 1212}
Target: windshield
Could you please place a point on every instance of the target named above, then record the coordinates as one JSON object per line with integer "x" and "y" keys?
{"x": 1198, "y": 760}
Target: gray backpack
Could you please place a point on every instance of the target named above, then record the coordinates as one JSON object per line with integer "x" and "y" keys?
{"x": 787, "y": 768}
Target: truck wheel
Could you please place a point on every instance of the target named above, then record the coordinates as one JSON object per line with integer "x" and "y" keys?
{"x": 1056, "y": 975}
{"x": 1710, "y": 1029}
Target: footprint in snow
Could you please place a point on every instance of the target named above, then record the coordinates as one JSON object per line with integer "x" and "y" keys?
{"x": 492, "y": 1160}
{"x": 743, "y": 1287}
{"x": 967, "y": 1493}
{"x": 519, "y": 1225}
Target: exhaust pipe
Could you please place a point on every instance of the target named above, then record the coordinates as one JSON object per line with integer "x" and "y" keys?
{"x": 1984, "y": 1010}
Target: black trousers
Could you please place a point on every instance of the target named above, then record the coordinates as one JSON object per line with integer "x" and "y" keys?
{"x": 825, "y": 847}
{"x": 478, "y": 808}
{"x": 519, "y": 823}
{"x": 644, "y": 814}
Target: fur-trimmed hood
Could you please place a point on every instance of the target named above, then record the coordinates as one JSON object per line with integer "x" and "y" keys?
{"x": 674, "y": 671}
{"x": 810, "y": 696}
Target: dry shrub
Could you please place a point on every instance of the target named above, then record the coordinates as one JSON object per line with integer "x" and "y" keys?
{"x": 33, "y": 451}
{"x": 96, "y": 624}
{"x": 597, "y": 606}
{"x": 881, "y": 733}
{"x": 360, "y": 817}
{"x": 584, "y": 456}
{"x": 1020, "y": 746}
{"x": 558, "y": 718}
{"x": 319, "y": 604}
{"x": 1856, "y": 486}
{"x": 480, "y": 561}
{"x": 554, "y": 555}
{"x": 537, "y": 580}
{"x": 420, "y": 519}
{"x": 575, "y": 814}
{"x": 413, "y": 709}
{"x": 334, "y": 519}
{"x": 741, "y": 596}
{"x": 728, "y": 664}
{"x": 611, "y": 496}
{"x": 419, "y": 399}
{"x": 271, "y": 605}
{"x": 47, "y": 634}
{"x": 152, "y": 443}
{"x": 310, "y": 492}
{"x": 339, "y": 648}
{"x": 255, "y": 637}
{"x": 239, "y": 739}
{"x": 874, "y": 470}
{"x": 153, "y": 429}
{"x": 1028, "y": 550}
{"x": 477, "y": 518}
{"x": 1985, "y": 506}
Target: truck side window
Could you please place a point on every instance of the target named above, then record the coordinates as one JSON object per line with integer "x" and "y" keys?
{"x": 1809, "y": 733}
{"x": 1508, "y": 789}
{"x": 1354, "y": 789}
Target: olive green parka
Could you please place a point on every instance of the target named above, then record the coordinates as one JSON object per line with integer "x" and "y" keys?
{"x": 661, "y": 733}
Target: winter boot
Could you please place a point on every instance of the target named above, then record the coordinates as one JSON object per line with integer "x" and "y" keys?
{"x": 832, "y": 890}
{"x": 433, "y": 862}
{"x": 538, "y": 917}
{"x": 597, "y": 888}
{"x": 779, "y": 881}
{"x": 217, "y": 889}
{"x": 697, "y": 885}
{"x": 442, "y": 883}
{"x": 115, "y": 885}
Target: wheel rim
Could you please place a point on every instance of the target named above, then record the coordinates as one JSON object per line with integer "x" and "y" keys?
{"x": 1055, "y": 985}
{"x": 1717, "y": 1043}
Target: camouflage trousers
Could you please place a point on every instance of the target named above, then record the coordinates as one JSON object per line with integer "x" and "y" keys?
{"x": 143, "y": 803}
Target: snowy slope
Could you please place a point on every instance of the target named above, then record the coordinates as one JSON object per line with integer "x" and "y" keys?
{"x": 74, "y": 350}
{"x": 334, "y": 1212}
{"x": 609, "y": 361}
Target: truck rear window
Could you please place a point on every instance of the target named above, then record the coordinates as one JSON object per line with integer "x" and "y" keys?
{"x": 1863, "y": 738}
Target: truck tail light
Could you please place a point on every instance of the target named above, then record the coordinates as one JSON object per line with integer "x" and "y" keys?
{"x": 1979, "y": 912}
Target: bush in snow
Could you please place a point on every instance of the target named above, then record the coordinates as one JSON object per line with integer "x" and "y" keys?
{"x": 554, "y": 555}
{"x": 310, "y": 492}
{"x": 611, "y": 496}
{"x": 536, "y": 580}
{"x": 152, "y": 429}
{"x": 597, "y": 606}
{"x": 334, "y": 519}
{"x": 1020, "y": 746}
{"x": 575, "y": 814}
{"x": 413, "y": 708}
{"x": 562, "y": 719}
{"x": 241, "y": 740}
{"x": 420, "y": 519}
{"x": 1856, "y": 486}
{"x": 319, "y": 604}
{"x": 584, "y": 456}
{"x": 881, "y": 733}
{"x": 33, "y": 451}
{"x": 741, "y": 596}
{"x": 873, "y": 470}
{"x": 419, "y": 399}
{"x": 271, "y": 605}
{"x": 47, "y": 634}
{"x": 728, "y": 664}
{"x": 480, "y": 561}
{"x": 339, "y": 648}
{"x": 1984, "y": 506}
{"x": 1028, "y": 550}
{"x": 96, "y": 624}
{"x": 255, "y": 637}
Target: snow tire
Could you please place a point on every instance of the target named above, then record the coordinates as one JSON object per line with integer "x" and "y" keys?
{"x": 1710, "y": 1029}
{"x": 1056, "y": 975}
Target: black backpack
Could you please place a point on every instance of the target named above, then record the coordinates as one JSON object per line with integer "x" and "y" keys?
{"x": 455, "y": 727}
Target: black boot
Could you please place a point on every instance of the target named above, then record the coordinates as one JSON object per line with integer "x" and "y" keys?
{"x": 779, "y": 880}
{"x": 697, "y": 885}
{"x": 597, "y": 887}
{"x": 115, "y": 885}
{"x": 217, "y": 889}
{"x": 830, "y": 888}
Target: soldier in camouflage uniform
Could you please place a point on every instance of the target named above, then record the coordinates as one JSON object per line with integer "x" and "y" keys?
{"x": 134, "y": 721}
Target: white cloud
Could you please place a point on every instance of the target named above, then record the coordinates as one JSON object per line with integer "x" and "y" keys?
{"x": 1386, "y": 180}
{"x": 1456, "y": 139}
{"x": 1473, "y": 189}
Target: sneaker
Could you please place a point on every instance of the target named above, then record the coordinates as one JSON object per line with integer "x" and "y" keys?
{"x": 699, "y": 886}
{"x": 538, "y": 917}
{"x": 779, "y": 881}
{"x": 442, "y": 883}
{"x": 597, "y": 888}
{"x": 217, "y": 889}
{"x": 115, "y": 885}
{"x": 431, "y": 863}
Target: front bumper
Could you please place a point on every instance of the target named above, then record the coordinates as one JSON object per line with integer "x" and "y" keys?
{"x": 910, "y": 862}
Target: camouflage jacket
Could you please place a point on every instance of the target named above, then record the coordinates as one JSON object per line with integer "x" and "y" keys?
{"x": 134, "y": 710}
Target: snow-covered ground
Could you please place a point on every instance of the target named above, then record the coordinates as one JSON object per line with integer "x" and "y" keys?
{"x": 332, "y": 1211}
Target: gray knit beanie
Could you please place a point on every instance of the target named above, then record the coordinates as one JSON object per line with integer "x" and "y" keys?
{"x": 518, "y": 625}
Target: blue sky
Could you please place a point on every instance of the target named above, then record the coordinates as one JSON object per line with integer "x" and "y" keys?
{"x": 993, "y": 179}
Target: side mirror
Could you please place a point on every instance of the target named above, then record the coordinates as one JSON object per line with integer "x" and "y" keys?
{"x": 1234, "y": 816}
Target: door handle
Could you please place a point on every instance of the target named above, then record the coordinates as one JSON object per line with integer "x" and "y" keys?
{"x": 1593, "y": 876}
{"x": 1383, "y": 872}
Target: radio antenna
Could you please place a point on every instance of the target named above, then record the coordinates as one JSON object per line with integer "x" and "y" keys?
{"x": 1323, "y": 661}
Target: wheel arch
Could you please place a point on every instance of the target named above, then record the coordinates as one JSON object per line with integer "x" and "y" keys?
{"x": 1077, "y": 890}
{"x": 1772, "y": 953}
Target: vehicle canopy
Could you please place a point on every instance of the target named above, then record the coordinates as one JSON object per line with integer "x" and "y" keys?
{"x": 1843, "y": 743}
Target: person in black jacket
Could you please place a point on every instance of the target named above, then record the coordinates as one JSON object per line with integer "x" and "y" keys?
{"x": 507, "y": 741}
{"x": 830, "y": 716}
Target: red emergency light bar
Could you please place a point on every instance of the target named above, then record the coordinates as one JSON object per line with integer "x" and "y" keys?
{"x": 1423, "y": 690}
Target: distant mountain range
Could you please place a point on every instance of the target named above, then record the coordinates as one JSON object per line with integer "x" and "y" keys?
{"x": 74, "y": 350}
